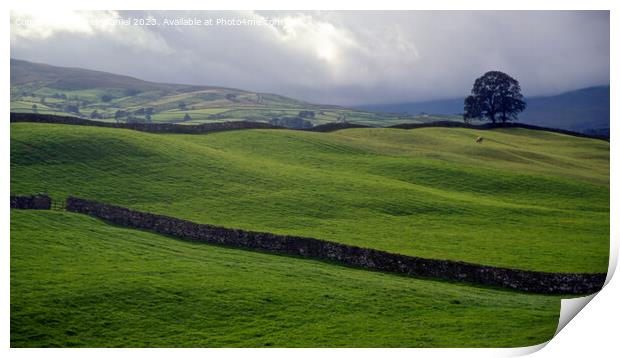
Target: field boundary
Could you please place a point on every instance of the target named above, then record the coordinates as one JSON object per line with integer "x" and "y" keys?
{"x": 31, "y": 202}
{"x": 521, "y": 280}
{"x": 142, "y": 127}
{"x": 488, "y": 126}
{"x": 240, "y": 125}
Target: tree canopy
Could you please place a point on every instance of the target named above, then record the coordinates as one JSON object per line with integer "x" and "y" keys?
{"x": 494, "y": 96}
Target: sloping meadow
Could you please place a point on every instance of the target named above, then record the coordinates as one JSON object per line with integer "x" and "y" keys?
{"x": 520, "y": 199}
{"x": 79, "y": 282}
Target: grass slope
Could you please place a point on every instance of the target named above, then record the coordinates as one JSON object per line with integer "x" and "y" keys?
{"x": 521, "y": 199}
{"x": 76, "y": 281}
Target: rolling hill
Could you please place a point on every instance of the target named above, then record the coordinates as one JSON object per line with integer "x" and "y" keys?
{"x": 522, "y": 199}
{"x": 445, "y": 106}
{"x": 78, "y": 282}
{"x": 585, "y": 110}
{"x": 525, "y": 199}
{"x": 100, "y": 96}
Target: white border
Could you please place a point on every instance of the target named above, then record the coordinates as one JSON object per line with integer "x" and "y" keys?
{"x": 593, "y": 331}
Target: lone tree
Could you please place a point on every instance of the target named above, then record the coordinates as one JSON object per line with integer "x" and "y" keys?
{"x": 495, "y": 96}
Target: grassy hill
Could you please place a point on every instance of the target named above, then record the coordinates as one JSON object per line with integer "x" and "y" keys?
{"x": 76, "y": 281}
{"x": 521, "y": 199}
{"x": 80, "y": 92}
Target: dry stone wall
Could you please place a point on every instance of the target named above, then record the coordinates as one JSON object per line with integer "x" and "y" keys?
{"x": 143, "y": 127}
{"x": 529, "y": 281}
{"x": 238, "y": 125}
{"x": 32, "y": 202}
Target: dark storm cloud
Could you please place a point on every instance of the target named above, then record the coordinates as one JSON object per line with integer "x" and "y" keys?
{"x": 331, "y": 57}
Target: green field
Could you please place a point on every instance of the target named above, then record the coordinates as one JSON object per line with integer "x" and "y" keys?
{"x": 521, "y": 199}
{"x": 76, "y": 281}
{"x": 79, "y": 92}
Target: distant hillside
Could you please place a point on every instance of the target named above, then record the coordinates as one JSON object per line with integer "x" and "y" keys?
{"x": 584, "y": 110}
{"x": 46, "y": 89}
{"x": 24, "y": 73}
{"x": 442, "y": 106}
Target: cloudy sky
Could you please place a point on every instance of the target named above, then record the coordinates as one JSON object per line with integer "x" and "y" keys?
{"x": 337, "y": 57}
